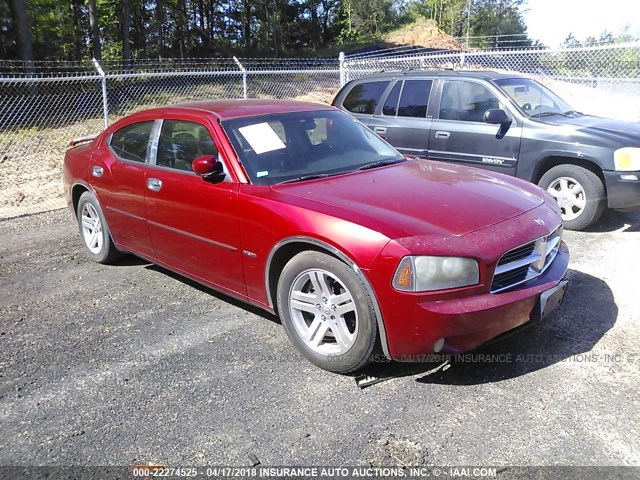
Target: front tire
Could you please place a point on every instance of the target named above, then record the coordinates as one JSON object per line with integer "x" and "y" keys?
{"x": 325, "y": 311}
{"x": 579, "y": 192}
{"x": 94, "y": 230}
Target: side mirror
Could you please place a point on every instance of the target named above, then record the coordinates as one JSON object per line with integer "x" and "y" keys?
{"x": 496, "y": 116}
{"x": 209, "y": 168}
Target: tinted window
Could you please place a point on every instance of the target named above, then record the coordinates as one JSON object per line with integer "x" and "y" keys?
{"x": 414, "y": 98}
{"x": 364, "y": 98}
{"x": 131, "y": 141}
{"x": 466, "y": 101}
{"x": 182, "y": 142}
{"x": 391, "y": 104}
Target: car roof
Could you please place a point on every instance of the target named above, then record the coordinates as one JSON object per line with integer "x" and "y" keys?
{"x": 232, "y": 108}
{"x": 482, "y": 74}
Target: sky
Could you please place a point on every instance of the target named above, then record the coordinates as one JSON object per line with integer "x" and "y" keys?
{"x": 550, "y": 21}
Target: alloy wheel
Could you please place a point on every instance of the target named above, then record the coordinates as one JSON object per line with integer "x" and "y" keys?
{"x": 92, "y": 228}
{"x": 324, "y": 312}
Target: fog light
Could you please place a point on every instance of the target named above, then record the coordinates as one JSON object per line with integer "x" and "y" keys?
{"x": 629, "y": 177}
{"x": 437, "y": 347}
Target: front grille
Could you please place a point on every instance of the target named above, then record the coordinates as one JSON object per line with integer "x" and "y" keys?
{"x": 517, "y": 253}
{"x": 526, "y": 262}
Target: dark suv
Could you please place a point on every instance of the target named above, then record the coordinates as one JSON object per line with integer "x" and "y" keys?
{"x": 509, "y": 124}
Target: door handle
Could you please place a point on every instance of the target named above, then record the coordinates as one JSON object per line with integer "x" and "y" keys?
{"x": 97, "y": 171}
{"x": 380, "y": 131}
{"x": 441, "y": 134}
{"x": 154, "y": 184}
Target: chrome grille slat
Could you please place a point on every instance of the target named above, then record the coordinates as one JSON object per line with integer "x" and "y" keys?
{"x": 517, "y": 253}
{"x": 518, "y": 264}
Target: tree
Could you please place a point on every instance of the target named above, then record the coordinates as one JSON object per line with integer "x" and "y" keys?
{"x": 95, "y": 30}
{"x": 159, "y": 26}
{"x": 499, "y": 18}
{"x": 21, "y": 30}
{"x": 126, "y": 26}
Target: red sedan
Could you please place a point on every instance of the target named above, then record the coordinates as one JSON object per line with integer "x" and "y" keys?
{"x": 301, "y": 210}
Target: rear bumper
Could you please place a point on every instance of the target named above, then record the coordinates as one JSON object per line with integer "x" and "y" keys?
{"x": 469, "y": 322}
{"x": 622, "y": 193}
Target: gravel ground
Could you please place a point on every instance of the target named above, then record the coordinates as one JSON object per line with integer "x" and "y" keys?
{"x": 127, "y": 364}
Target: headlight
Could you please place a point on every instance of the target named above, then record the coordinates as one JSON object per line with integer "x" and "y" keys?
{"x": 627, "y": 159}
{"x": 424, "y": 274}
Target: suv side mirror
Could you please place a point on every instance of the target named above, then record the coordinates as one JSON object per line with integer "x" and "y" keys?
{"x": 496, "y": 116}
{"x": 209, "y": 168}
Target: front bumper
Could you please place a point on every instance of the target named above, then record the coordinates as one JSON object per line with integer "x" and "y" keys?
{"x": 469, "y": 322}
{"x": 622, "y": 193}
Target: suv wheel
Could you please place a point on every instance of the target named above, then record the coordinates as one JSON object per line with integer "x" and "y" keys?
{"x": 579, "y": 192}
{"x": 325, "y": 311}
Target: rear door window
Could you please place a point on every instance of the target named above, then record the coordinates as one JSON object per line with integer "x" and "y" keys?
{"x": 414, "y": 98}
{"x": 364, "y": 97}
{"x": 130, "y": 142}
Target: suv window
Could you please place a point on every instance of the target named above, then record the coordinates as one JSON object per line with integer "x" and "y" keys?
{"x": 181, "y": 142}
{"x": 391, "y": 103}
{"x": 414, "y": 98}
{"x": 130, "y": 142}
{"x": 466, "y": 101}
{"x": 364, "y": 97}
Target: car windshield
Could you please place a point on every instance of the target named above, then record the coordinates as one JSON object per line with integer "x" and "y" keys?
{"x": 533, "y": 98}
{"x": 297, "y": 146}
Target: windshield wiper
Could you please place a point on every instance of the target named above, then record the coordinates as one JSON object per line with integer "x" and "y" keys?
{"x": 573, "y": 112}
{"x": 304, "y": 177}
{"x": 547, "y": 114}
{"x": 381, "y": 163}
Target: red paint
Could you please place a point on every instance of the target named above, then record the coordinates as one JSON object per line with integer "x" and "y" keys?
{"x": 221, "y": 234}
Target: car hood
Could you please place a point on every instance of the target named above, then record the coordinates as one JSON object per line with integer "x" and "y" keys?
{"x": 607, "y": 127}
{"x": 417, "y": 197}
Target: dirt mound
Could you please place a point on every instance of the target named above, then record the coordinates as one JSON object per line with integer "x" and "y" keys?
{"x": 423, "y": 33}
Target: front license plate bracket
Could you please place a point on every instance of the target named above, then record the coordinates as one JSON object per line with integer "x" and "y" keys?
{"x": 550, "y": 300}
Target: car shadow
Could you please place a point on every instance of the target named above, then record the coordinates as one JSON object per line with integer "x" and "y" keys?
{"x": 588, "y": 312}
{"x": 613, "y": 220}
{"x": 130, "y": 260}
{"x": 214, "y": 293}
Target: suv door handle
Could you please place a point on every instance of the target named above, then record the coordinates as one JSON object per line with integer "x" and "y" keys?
{"x": 380, "y": 131}
{"x": 441, "y": 134}
{"x": 154, "y": 184}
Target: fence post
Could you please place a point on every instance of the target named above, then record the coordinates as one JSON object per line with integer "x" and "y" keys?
{"x": 342, "y": 72}
{"x": 105, "y": 104}
{"x": 244, "y": 77}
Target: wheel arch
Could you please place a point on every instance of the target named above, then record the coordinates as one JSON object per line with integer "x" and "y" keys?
{"x": 287, "y": 248}
{"x": 77, "y": 189}
{"x": 548, "y": 162}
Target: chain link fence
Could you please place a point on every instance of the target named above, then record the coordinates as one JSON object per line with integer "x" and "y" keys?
{"x": 44, "y": 105}
{"x": 600, "y": 80}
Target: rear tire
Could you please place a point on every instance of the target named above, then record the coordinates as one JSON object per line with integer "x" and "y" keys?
{"x": 325, "y": 311}
{"x": 94, "y": 230}
{"x": 579, "y": 192}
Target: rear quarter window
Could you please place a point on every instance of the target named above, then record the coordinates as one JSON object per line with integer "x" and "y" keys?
{"x": 130, "y": 142}
{"x": 364, "y": 97}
